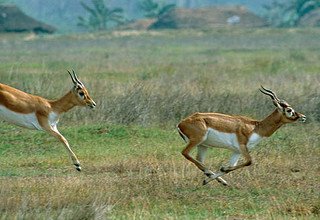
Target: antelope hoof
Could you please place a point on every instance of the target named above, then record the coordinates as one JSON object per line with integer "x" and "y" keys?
{"x": 78, "y": 167}
{"x": 205, "y": 182}
{"x": 222, "y": 181}
{"x": 224, "y": 169}
{"x": 215, "y": 176}
{"x": 209, "y": 173}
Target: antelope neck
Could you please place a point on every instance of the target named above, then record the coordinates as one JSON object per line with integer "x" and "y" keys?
{"x": 63, "y": 104}
{"x": 269, "y": 125}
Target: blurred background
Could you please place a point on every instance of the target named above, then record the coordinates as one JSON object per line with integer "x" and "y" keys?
{"x": 86, "y": 15}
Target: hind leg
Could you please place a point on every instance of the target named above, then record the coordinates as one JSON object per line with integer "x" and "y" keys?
{"x": 202, "y": 150}
{"x": 201, "y": 154}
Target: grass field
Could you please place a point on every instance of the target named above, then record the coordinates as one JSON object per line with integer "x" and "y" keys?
{"x": 144, "y": 83}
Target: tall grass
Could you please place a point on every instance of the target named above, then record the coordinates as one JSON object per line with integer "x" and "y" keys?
{"x": 151, "y": 80}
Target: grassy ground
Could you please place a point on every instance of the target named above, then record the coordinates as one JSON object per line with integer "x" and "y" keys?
{"x": 144, "y": 83}
{"x": 134, "y": 172}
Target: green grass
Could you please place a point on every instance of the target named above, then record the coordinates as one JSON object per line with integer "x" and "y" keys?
{"x": 135, "y": 172}
{"x": 128, "y": 146}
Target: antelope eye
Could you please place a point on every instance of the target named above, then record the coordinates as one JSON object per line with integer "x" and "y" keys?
{"x": 289, "y": 110}
{"x": 81, "y": 93}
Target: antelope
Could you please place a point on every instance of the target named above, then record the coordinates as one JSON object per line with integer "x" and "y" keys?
{"x": 236, "y": 133}
{"x": 35, "y": 112}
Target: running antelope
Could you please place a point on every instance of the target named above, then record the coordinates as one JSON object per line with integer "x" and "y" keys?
{"x": 35, "y": 112}
{"x": 236, "y": 133}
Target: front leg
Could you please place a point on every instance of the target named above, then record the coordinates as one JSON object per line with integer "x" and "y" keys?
{"x": 234, "y": 160}
{"x": 72, "y": 155}
{"x": 53, "y": 130}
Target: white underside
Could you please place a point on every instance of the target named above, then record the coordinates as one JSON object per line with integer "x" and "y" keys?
{"x": 253, "y": 140}
{"x": 25, "y": 120}
{"x": 214, "y": 138}
{"x": 218, "y": 139}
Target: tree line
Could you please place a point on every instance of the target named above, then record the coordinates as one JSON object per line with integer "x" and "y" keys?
{"x": 107, "y": 14}
{"x": 101, "y": 17}
{"x": 278, "y": 13}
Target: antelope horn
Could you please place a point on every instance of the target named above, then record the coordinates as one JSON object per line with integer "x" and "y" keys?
{"x": 76, "y": 78}
{"x": 269, "y": 93}
{"x": 72, "y": 77}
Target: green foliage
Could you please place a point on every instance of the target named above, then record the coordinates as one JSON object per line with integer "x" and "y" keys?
{"x": 153, "y": 9}
{"x": 5, "y": 2}
{"x": 100, "y": 16}
{"x": 289, "y": 13}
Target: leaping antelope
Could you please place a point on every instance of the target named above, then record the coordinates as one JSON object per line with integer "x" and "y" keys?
{"x": 35, "y": 112}
{"x": 236, "y": 133}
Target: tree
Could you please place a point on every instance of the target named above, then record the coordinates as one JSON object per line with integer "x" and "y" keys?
{"x": 100, "y": 16}
{"x": 289, "y": 13}
{"x": 154, "y": 9}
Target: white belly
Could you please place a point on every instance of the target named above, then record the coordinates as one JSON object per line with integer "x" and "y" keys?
{"x": 229, "y": 141}
{"x": 23, "y": 120}
{"x": 220, "y": 139}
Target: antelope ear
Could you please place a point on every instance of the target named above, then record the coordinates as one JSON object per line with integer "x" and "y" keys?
{"x": 276, "y": 103}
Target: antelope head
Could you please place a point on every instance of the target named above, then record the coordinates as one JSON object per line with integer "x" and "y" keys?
{"x": 81, "y": 93}
{"x": 288, "y": 113}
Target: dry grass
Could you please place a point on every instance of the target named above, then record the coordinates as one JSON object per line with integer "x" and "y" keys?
{"x": 139, "y": 173}
{"x": 158, "y": 79}
{"x": 164, "y": 185}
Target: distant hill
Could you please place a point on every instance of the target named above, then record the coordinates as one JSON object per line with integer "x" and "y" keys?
{"x": 208, "y": 18}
